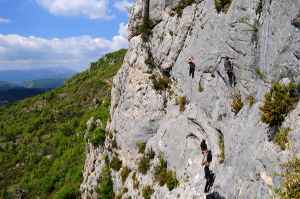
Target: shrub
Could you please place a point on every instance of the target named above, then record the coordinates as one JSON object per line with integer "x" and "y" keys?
{"x": 116, "y": 163}
{"x": 135, "y": 181}
{"x": 150, "y": 154}
{"x": 237, "y": 103}
{"x": 291, "y": 179}
{"x": 222, "y": 148}
{"x": 181, "y": 5}
{"x": 181, "y": 102}
{"x": 105, "y": 187}
{"x": 164, "y": 176}
{"x": 251, "y": 100}
{"x": 281, "y": 137}
{"x": 161, "y": 83}
{"x": 124, "y": 174}
{"x": 147, "y": 192}
{"x": 260, "y": 74}
{"x": 144, "y": 164}
{"x": 200, "y": 87}
{"x": 67, "y": 192}
{"x": 97, "y": 137}
{"x": 141, "y": 147}
{"x": 222, "y": 5}
{"x": 278, "y": 103}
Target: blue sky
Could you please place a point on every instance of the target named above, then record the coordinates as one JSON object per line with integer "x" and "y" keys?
{"x": 60, "y": 33}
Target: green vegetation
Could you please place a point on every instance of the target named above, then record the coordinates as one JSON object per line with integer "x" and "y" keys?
{"x": 281, "y": 137}
{"x": 181, "y": 5}
{"x": 251, "y": 100}
{"x": 97, "y": 136}
{"x": 144, "y": 164}
{"x": 124, "y": 174}
{"x": 222, "y": 5}
{"x": 141, "y": 147}
{"x": 135, "y": 181}
{"x": 105, "y": 187}
{"x": 42, "y": 145}
{"x": 237, "y": 103}
{"x": 161, "y": 83}
{"x": 147, "y": 192}
{"x": 279, "y": 102}
{"x": 116, "y": 163}
{"x": 181, "y": 101}
{"x": 260, "y": 74}
{"x": 200, "y": 87}
{"x": 150, "y": 154}
{"x": 291, "y": 179}
{"x": 222, "y": 148}
{"x": 164, "y": 176}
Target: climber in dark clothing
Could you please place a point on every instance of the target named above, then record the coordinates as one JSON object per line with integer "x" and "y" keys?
{"x": 229, "y": 69}
{"x": 192, "y": 66}
{"x": 208, "y": 174}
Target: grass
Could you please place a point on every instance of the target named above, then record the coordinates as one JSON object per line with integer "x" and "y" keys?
{"x": 135, "y": 181}
{"x": 42, "y": 138}
{"x": 251, "y": 100}
{"x": 97, "y": 137}
{"x": 105, "y": 188}
{"x": 160, "y": 83}
{"x": 164, "y": 176}
{"x": 281, "y": 137}
{"x": 260, "y": 74}
{"x": 124, "y": 174}
{"x": 291, "y": 179}
{"x": 237, "y": 103}
{"x": 147, "y": 192}
{"x": 144, "y": 165}
{"x": 116, "y": 163}
{"x": 141, "y": 147}
{"x": 181, "y": 5}
{"x": 222, "y": 148}
{"x": 181, "y": 101}
{"x": 222, "y": 5}
{"x": 278, "y": 102}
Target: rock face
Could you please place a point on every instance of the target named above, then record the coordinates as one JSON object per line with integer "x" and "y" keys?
{"x": 264, "y": 46}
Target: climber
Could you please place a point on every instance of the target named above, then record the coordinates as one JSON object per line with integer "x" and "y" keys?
{"x": 229, "y": 69}
{"x": 207, "y": 158}
{"x": 192, "y": 65}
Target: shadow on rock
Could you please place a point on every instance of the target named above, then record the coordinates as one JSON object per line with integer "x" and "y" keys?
{"x": 214, "y": 195}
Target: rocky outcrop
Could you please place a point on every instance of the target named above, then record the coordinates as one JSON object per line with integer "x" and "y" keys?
{"x": 264, "y": 46}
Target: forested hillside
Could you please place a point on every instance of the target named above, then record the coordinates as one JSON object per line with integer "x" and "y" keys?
{"x": 42, "y": 139}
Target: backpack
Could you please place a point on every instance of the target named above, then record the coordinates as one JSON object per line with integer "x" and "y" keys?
{"x": 209, "y": 156}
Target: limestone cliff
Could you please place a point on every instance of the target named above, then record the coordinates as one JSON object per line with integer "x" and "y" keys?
{"x": 262, "y": 38}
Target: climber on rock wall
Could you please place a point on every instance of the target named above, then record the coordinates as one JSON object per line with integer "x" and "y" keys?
{"x": 192, "y": 65}
{"x": 207, "y": 158}
{"x": 229, "y": 69}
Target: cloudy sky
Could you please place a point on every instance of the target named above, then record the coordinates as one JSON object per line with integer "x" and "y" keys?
{"x": 60, "y": 33}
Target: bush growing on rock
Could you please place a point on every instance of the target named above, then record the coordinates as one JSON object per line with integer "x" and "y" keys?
{"x": 150, "y": 154}
{"x": 181, "y": 101}
{"x": 222, "y": 5}
{"x": 237, "y": 103}
{"x": 147, "y": 192}
{"x": 278, "y": 103}
{"x": 251, "y": 100}
{"x": 124, "y": 174}
{"x": 97, "y": 137}
{"x": 164, "y": 176}
{"x": 181, "y": 5}
{"x": 281, "y": 137}
{"x": 116, "y": 163}
{"x": 144, "y": 164}
{"x": 291, "y": 179}
{"x": 105, "y": 188}
{"x": 141, "y": 147}
{"x": 160, "y": 83}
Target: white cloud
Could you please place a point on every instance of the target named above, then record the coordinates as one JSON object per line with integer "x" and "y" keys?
{"x": 4, "y": 20}
{"x": 93, "y": 9}
{"x": 74, "y": 52}
{"x": 123, "y": 5}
